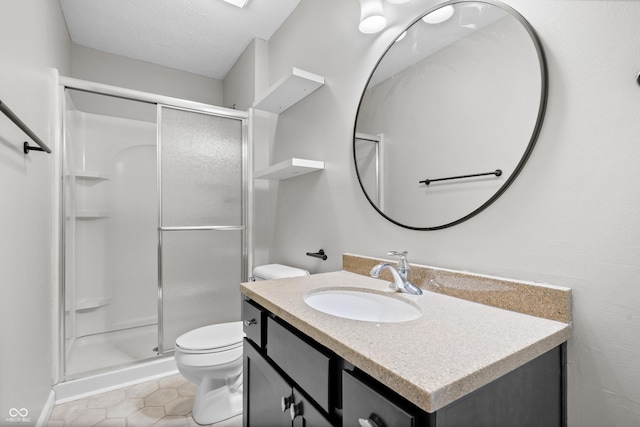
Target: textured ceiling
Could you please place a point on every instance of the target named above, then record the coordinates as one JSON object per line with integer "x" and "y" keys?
{"x": 204, "y": 37}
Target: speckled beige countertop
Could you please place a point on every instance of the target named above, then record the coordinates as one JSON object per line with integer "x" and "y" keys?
{"x": 454, "y": 348}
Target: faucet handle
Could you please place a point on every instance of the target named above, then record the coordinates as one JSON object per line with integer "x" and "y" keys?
{"x": 396, "y": 253}
{"x": 402, "y": 263}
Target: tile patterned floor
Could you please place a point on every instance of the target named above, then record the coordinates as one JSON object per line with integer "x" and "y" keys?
{"x": 165, "y": 402}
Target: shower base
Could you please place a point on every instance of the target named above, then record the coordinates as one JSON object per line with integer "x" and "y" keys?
{"x": 111, "y": 349}
{"x": 103, "y": 362}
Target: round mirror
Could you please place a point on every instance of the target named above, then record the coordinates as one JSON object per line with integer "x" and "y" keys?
{"x": 450, "y": 114}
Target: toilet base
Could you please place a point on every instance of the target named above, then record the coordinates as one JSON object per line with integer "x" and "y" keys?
{"x": 218, "y": 404}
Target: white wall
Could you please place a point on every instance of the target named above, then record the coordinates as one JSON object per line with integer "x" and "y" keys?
{"x": 248, "y": 78}
{"x": 247, "y": 81}
{"x": 34, "y": 40}
{"x": 102, "y": 67}
{"x": 570, "y": 219}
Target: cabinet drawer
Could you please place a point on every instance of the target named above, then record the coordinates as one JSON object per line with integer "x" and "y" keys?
{"x": 253, "y": 322}
{"x": 361, "y": 403}
{"x": 307, "y": 365}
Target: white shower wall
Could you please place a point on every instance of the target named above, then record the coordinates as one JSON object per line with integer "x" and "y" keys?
{"x": 112, "y": 273}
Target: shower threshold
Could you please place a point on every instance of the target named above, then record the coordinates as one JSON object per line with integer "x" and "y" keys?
{"x": 101, "y": 383}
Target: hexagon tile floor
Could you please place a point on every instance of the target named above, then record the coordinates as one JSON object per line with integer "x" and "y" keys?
{"x": 165, "y": 402}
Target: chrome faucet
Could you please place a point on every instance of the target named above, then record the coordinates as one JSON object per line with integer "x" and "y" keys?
{"x": 400, "y": 274}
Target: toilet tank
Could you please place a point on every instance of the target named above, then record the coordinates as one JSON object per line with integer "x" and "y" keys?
{"x": 276, "y": 271}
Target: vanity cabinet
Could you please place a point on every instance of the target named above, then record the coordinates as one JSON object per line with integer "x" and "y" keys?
{"x": 291, "y": 380}
{"x": 286, "y": 379}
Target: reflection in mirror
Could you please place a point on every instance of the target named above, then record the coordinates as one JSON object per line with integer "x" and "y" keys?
{"x": 367, "y": 148}
{"x": 462, "y": 96}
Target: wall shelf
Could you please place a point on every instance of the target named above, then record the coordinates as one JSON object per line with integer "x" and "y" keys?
{"x": 289, "y": 168}
{"x": 92, "y": 175}
{"x": 289, "y": 90}
{"x": 91, "y": 303}
{"x": 91, "y": 214}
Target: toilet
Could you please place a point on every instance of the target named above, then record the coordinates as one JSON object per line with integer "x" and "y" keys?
{"x": 211, "y": 358}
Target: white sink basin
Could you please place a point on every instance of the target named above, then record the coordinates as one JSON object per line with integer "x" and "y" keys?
{"x": 362, "y": 305}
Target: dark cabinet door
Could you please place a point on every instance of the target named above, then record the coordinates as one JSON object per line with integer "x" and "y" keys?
{"x": 264, "y": 391}
{"x": 529, "y": 396}
{"x": 363, "y": 406}
{"x": 305, "y": 414}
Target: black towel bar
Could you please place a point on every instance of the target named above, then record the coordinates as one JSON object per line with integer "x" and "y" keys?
{"x": 320, "y": 254}
{"x": 497, "y": 172}
{"x": 15, "y": 119}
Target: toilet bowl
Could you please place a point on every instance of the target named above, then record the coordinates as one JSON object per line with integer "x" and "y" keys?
{"x": 211, "y": 358}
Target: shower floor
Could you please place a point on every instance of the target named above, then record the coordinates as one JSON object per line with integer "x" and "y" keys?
{"x": 110, "y": 349}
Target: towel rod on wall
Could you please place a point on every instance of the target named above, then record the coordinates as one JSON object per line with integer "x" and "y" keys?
{"x": 320, "y": 254}
{"x": 497, "y": 172}
{"x": 15, "y": 119}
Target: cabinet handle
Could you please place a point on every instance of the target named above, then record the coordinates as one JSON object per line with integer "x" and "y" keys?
{"x": 250, "y": 322}
{"x": 372, "y": 421}
{"x": 286, "y": 402}
{"x": 295, "y": 410}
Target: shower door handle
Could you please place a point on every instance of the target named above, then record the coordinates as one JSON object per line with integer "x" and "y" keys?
{"x": 206, "y": 228}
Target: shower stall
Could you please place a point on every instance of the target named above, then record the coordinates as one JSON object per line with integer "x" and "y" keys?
{"x": 154, "y": 223}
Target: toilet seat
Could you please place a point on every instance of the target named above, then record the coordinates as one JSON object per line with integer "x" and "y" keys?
{"x": 211, "y": 339}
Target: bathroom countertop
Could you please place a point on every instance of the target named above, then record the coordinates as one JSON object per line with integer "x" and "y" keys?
{"x": 454, "y": 348}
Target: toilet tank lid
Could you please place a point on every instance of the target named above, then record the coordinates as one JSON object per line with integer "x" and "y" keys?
{"x": 211, "y": 337}
{"x": 277, "y": 271}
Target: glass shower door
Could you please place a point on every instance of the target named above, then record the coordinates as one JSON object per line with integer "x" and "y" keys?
{"x": 202, "y": 233}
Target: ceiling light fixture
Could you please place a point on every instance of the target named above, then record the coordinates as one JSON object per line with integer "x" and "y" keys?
{"x": 439, "y": 15}
{"x": 372, "y": 17}
{"x": 239, "y": 3}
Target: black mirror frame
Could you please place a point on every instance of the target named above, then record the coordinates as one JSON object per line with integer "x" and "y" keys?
{"x": 544, "y": 89}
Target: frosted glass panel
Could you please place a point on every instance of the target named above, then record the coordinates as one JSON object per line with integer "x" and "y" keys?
{"x": 201, "y": 186}
{"x": 201, "y": 275}
{"x": 201, "y": 169}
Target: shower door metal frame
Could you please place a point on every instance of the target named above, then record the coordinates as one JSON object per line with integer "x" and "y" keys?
{"x": 243, "y": 209}
{"x": 159, "y": 100}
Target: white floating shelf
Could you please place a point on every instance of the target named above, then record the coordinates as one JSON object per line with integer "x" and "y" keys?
{"x": 91, "y": 214}
{"x": 91, "y": 303}
{"x": 92, "y": 175}
{"x": 289, "y": 168}
{"x": 288, "y": 91}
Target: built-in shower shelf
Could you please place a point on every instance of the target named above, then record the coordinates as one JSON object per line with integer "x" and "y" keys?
{"x": 289, "y": 168}
{"x": 91, "y": 214}
{"x": 92, "y": 303}
{"x": 289, "y": 90}
{"x": 92, "y": 175}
